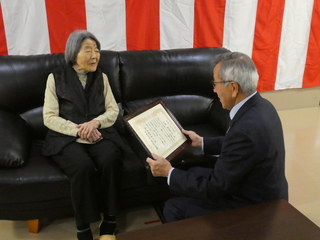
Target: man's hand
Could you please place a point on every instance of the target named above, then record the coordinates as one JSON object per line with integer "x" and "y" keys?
{"x": 89, "y": 131}
{"x": 195, "y": 138}
{"x": 160, "y": 167}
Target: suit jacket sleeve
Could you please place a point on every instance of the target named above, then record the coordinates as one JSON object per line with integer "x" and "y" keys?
{"x": 234, "y": 162}
{"x": 212, "y": 145}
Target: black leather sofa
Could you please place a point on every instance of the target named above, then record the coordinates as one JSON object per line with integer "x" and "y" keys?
{"x": 32, "y": 187}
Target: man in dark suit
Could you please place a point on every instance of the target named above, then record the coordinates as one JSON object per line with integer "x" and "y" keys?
{"x": 251, "y": 165}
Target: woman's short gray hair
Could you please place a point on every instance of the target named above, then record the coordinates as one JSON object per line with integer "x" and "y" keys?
{"x": 238, "y": 67}
{"x": 74, "y": 44}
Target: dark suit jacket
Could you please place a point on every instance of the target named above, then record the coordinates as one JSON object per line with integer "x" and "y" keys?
{"x": 250, "y": 168}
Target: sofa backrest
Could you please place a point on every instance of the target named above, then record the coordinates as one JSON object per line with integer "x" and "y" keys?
{"x": 180, "y": 77}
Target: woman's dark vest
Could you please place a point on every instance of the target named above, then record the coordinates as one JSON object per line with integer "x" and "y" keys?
{"x": 76, "y": 104}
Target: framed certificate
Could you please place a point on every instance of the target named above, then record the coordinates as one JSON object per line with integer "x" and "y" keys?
{"x": 157, "y": 130}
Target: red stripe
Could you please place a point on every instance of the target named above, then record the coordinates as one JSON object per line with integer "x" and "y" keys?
{"x": 142, "y": 25}
{"x": 64, "y": 16}
{"x": 311, "y": 76}
{"x": 154, "y": 221}
{"x": 209, "y": 23}
{"x": 3, "y": 41}
{"x": 267, "y": 41}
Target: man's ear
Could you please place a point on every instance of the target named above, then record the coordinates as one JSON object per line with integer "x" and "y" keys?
{"x": 235, "y": 89}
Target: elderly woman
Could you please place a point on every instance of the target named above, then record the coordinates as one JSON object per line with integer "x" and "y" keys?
{"x": 79, "y": 110}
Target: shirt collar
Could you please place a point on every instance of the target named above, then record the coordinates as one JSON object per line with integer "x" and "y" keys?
{"x": 236, "y": 108}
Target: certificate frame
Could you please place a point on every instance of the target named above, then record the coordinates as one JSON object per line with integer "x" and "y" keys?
{"x": 157, "y": 130}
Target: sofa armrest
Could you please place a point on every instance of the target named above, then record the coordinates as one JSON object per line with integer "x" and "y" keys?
{"x": 15, "y": 140}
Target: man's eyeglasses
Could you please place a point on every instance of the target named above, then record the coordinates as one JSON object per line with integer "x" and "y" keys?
{"x": 215, "y": 83}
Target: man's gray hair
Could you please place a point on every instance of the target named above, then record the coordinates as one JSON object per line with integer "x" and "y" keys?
{"x": 74, "y": 44}
{"x": 238, "y": 67}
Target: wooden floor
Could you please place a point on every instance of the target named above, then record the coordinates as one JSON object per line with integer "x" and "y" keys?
{"x": 302, "y": 139}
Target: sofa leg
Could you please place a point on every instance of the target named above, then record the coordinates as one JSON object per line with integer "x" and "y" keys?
{"x": 34, "y": 225}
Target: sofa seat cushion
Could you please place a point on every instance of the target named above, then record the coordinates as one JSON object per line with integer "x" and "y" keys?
{"x": 41, "y": 180}
{"x": 38, "y": 180}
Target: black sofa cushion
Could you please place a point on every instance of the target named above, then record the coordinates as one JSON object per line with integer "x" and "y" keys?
{"x": 15, "y": 143}
{"x": 40, "y": 179}
{"x": 23, "y": 80}
{"x": 148, "y": 74}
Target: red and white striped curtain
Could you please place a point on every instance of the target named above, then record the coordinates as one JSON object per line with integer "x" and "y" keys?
{"x": 282, "y": 36}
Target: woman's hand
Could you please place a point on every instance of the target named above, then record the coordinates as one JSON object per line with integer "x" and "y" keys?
{"x": 95, "y": 136}
{"x": 89, "y": 131}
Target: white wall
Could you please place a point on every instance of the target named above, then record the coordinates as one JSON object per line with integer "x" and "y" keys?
{"x": 294, "y": 98}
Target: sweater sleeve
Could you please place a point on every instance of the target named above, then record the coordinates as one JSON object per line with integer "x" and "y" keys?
{"x": 51, "y": 117}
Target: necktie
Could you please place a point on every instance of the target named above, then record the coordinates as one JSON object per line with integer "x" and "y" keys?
{"x": 230, "y": 124}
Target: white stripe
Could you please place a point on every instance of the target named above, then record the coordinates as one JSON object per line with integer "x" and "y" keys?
{"x": 107, "y": 21}
{"x": 294, "y": 44}
{"x": 26, "y": 26}
{"x": 176, "y": 23}
{"x": 239, "y": 25}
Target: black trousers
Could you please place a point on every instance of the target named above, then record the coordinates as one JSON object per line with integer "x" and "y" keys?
{"x": 94, "y": 171}
{"x": 180, "y": 208}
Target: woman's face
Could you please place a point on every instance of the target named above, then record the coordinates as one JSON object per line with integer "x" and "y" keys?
{"x": 88, "y": 56}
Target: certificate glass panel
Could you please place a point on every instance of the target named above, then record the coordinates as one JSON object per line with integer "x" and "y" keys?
{"x": 157, "y": 130}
